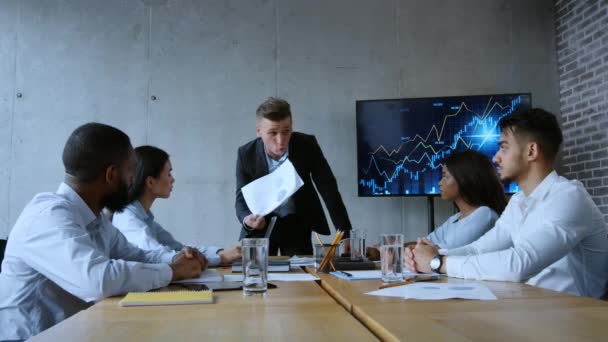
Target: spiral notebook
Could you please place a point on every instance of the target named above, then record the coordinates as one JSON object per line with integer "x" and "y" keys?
{"x": 167, "y": 298}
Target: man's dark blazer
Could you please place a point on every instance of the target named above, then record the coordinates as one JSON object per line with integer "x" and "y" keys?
{"x": 307, "y": 158}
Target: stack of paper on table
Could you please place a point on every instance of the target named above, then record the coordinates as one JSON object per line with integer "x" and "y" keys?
{"x": 435, "y": 291}
{"x": 302, "y": 261}
{"x": 291, "y": 277}
{"x": 273, "y": 266}
{"x": 370, "y": 275}
{"x": 276, "y": 277}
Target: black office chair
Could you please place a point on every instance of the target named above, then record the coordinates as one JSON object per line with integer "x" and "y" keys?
{"x": 2, "y": 248}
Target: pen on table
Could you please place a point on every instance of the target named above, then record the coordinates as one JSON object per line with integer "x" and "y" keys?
{"x": 409, "y": 281}
{"x": 346, "y": 273}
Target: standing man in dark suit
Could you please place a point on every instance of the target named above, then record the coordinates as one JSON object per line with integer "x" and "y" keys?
{"x": 302, "y": 213}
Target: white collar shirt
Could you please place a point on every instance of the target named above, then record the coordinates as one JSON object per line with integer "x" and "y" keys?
{"x": 555, "y": 238}
{"x": 61, "y": 258}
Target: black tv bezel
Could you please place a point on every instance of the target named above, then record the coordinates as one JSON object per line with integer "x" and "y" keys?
{"x": 529, "y": 94}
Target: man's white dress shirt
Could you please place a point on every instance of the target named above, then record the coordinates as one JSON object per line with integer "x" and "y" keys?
{"x": 554, "y": 238}
{"x": 61, "y": 258}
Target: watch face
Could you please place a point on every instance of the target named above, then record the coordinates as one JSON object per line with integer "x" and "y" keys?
{"x": 435, "y": 263}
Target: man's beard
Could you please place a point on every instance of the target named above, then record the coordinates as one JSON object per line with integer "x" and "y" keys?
{"x": 118, "y": 200}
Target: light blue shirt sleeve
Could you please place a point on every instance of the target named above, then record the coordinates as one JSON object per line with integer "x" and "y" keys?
{"x": 142, "y": 230}
{"x": 137, "y": 232}
{"x": 438, "y": 236}
{"x": 122, "y": 249}
{"x": 61, "y": 257}
{"x": 455, "y": 233}
{"x": 165, "y": 238}
{"x": 91, "y": 274}
{"x": 211, "y": 253}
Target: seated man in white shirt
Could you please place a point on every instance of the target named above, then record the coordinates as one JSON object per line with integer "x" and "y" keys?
{"x": 63, "y": 254}
{"x": 551, "y": 234}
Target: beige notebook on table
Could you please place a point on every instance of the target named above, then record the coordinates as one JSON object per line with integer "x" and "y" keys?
{"x": 167, "y": 298}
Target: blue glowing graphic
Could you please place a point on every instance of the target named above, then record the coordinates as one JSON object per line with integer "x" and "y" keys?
{"x": 401, "y": 144}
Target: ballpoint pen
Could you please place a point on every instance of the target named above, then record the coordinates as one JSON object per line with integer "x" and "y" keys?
{"x": 346, "y": 273}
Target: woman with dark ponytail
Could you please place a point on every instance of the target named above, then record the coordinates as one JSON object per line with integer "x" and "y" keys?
{"x": 470, "y": 181}
{"x": 153, "y": 179}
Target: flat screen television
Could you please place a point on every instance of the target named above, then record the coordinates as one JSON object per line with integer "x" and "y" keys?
{"x": 401, "y": 143}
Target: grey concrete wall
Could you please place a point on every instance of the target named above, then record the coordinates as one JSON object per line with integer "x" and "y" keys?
{"x": 8, "y": 14}
{"x": 210, "y": 63}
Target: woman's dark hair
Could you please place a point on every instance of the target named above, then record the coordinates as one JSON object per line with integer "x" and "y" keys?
{"x": 478, "y": 182}
{"x": 149, "y": 162}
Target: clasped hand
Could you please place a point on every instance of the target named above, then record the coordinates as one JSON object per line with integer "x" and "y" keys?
{"x": 417, "y": 258}
{"x": 188, "y": 263}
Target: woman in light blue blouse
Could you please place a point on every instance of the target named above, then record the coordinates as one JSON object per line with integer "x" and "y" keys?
{"x": 153, "y": 180}
{"x": 470, "y": 181}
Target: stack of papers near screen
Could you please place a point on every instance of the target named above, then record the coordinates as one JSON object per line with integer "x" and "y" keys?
{"x": 273, "y": 266}
{"x": 291, "y": 277}
{"x": 302, "y": 261}
{"x": 167, "y": 298}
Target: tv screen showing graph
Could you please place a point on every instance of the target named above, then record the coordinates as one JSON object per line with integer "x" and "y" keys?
{"x": 401, "y": 143}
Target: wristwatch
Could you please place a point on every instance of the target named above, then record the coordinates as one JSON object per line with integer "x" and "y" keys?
{"x": 436, "y": 263}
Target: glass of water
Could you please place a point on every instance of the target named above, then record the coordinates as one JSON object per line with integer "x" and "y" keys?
{"x": 391, "y": 257}
{"x": 357, "y": 244}
{"x": 255, "y": 266}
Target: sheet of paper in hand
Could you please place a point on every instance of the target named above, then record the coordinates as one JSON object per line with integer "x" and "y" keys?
{"x": 265, "y": 194}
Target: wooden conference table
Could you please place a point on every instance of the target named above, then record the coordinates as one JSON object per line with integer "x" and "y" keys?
{"x": 338, "y": 310}
{"x": 521, "y": 313}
